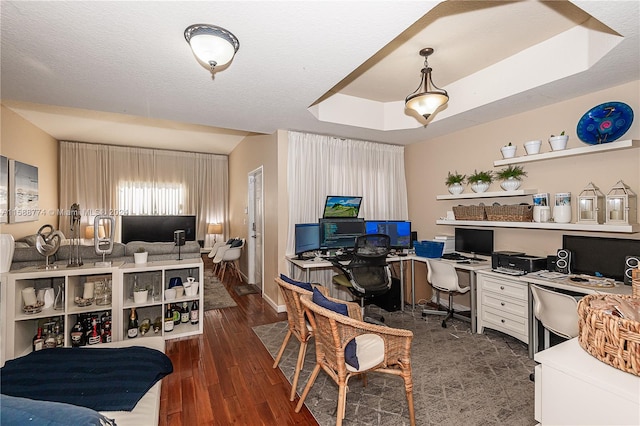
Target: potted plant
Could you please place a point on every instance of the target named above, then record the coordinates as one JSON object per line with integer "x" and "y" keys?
{"x": 455, "y": 182}
{"x": 480, "y": 180}
{"x": 508, "y": 151}
{"x": 511, "y": 177}
{"x": 558, "y": 142}
{"x": 140, "y": 256}
{"x": 532, "y": 147}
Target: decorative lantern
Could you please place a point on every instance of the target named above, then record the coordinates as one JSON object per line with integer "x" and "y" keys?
{"x": 621, "y": 204}
{"x": 591, "y": 205}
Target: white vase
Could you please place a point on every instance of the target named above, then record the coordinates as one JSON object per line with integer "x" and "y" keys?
{"x": 7, "y": 246}
{"x": 140, "y": 258}
{"x": 456, "y": 188}
{"x": 558, "y": 143}
{"x": 562, "y": 214}
{"x": 508, "y": 151}
{"x": 510, "y": 184}
{"x": 479, "y": 186}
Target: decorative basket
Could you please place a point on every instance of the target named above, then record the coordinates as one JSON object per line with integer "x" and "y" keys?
{"x": 430, "y": 249}
{"x": 510, "y": 213}
{"x": 611, "y": 339}
{"x": 469, "y": 212}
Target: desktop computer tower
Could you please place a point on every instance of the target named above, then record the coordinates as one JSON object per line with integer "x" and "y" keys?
{"x": 389, "y": 301}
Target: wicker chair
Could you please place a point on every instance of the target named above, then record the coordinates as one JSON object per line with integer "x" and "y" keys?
{"x": 382, "y": 349}
{"x": 298, "y": 326}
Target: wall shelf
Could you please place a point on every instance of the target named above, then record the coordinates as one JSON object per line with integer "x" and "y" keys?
{"x": 590, "y": 149}
{"x": 493, "y": 194}
{"x": 626, "y": 229}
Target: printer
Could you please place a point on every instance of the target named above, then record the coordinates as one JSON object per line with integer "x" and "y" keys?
{"x": 516, "y": 262}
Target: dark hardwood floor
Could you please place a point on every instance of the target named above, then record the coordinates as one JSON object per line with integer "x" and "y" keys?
{"x": 225, "y": 376}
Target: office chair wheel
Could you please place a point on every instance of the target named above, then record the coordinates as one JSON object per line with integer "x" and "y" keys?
{"x": 444, "y": 324}
{"x": 532, "y": 377}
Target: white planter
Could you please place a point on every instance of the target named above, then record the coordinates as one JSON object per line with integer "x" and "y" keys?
{"x": 456, "y": 188}
{"x": 140, "y": 258}
{"x": 479, "y": 186}
{"x": 140, "y": 296}
{"x": 532, "y": 147}
{"x": 510, "y": 184}
{"x": 508, "y": 151}
{"x": 558, "y": 143}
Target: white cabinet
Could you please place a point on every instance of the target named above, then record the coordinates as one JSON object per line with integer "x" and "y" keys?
{"x": 160, "y": 273}
{"x": 19, "y": 327}
{"x": 503, "y": 305}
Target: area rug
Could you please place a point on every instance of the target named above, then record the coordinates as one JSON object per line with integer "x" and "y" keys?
{"x": 215, "y": 295}
{"x": 459, "y": 378}
{"x": 244, "y": 289}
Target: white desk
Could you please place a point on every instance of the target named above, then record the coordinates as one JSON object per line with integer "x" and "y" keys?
{"x": 574, "y": 388}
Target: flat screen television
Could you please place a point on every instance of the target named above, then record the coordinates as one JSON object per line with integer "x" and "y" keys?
{"x": 340, "y": 233}
{"x": 341, "y": 206}
{"x": 399, "y": 231}
{"x": 474, "y": 241}
{"x": 307, "y": 238}
{"x": 603, "y": 255}
{"x": 154, "y": 229}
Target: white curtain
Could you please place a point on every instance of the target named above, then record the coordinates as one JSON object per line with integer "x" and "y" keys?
{"x": 323, "y": 165}
{"x": 114, "y": 180}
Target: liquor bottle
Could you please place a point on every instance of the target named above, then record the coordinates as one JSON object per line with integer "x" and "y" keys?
{"x": 132, "y": 328}
{"x": 38, "y": 341}
{"x": 157, "y": 325}
{"x": 184, "y": 314}
{"x": 195, "y": 313}
{"x": 168, "y": 319}
{"x": 106, "y": 332}
{"x": 50, "y": 338}
{"x": 94, "y": 335}
{"x": 59, "y": 335}
{"x": 77, "y": 334}
{"x": 176, "y": 314}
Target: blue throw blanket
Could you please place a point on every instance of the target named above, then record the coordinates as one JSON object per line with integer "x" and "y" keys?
{"x": 103, "y": 379}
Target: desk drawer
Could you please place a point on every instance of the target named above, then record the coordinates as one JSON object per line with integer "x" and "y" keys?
{"x": 513, "y": 325}
{"x": 515, "y": 289}
{"x": 504, "y": 304}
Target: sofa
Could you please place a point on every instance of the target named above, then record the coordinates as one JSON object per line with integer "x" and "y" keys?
{"x": 145, "y": 413}
{"x": 26, "y": 255}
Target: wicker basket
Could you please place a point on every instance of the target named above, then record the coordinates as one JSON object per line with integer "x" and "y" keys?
{"x": 510, "y": 213}
{"x": 469, "y": 212}
{"x": 611, "y": 339}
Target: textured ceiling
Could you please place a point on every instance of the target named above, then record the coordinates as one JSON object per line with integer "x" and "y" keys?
{"x": 121, "y": 72}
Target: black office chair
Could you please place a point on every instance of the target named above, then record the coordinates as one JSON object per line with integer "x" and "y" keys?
{"x": 367, "y": 274}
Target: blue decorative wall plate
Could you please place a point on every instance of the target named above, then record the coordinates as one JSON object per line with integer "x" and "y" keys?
{"x": 605, "y": 123}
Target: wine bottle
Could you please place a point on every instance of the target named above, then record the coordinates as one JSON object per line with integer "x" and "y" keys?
{"x": 184, "y": 314}
{"x": 106, "y": 331}
{"x": 195, "y": 313}
{"x": 38, "y": 341}
{"x": 50, "y": 338}
{"x": 145, "y": 325}
{"x": 176, "y": 314}
{"x": 59, "y": 335}
{"x": 157, "y": 325}
{"x": 94, "y": 336}
{"x": 132, "y": 328}
{"x": 77, "y": 334}
{"x": 168, "y": 319}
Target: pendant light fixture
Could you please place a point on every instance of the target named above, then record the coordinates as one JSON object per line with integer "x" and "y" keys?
{"x": 427, "y": 98}
{"x": 211, "y": 45}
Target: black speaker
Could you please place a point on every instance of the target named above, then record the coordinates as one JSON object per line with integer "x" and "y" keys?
{"x": 414, "y": 237}
{"x": 551, "y": 263}
{"x": 564, "y": 261}
{"x": 630, "y": 263}
{"x": 178, "y": 237}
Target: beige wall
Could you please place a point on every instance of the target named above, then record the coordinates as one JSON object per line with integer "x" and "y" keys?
{"x": 427, "y": 164}
{"x": 20, "y": 140}
{"x": 252, "y": 153}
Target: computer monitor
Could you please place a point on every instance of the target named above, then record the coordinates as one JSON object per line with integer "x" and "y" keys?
{"x": 398, "y": 230}
{"x": 339, "y": 233}
{"x": 603, "y": 255}
{"x": 307, "y": 238}
{"x": 341, "y": 206}
{"x": 476, "y": 241}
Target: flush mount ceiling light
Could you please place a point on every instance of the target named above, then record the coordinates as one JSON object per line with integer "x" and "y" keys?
{"x": 427, "y": 98}
{"x": 212, "y": 46}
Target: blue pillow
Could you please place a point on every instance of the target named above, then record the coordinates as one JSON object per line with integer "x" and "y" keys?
{"x": 236, "y": 243}
{"x": 303, "y": 285}
{"x": 22, "y": 411}
{"x": 319, "y": 299}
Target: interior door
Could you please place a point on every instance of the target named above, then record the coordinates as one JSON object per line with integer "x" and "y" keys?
{"x": 255, "y": 243}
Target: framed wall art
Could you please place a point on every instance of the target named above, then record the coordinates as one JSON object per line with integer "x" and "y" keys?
{"x": 23, "y": 192}
{"x": 4, "y": 189}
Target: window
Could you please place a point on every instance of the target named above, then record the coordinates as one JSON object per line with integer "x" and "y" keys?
{"x": 149, "y": 198}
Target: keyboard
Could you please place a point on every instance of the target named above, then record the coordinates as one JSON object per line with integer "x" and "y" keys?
{"x": 454, "y": 256}
{"x": 343, "y": 257}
